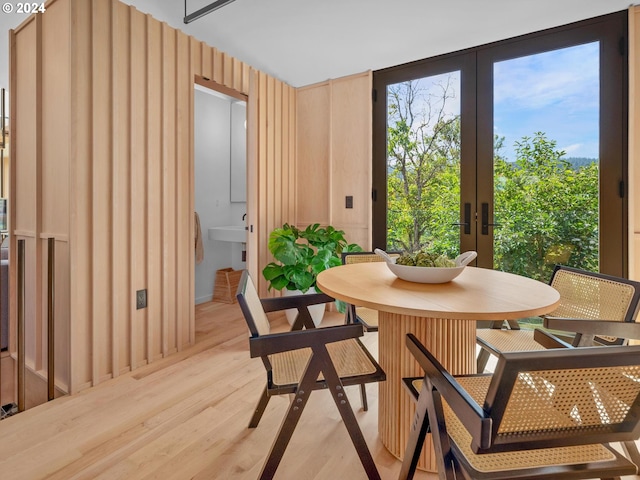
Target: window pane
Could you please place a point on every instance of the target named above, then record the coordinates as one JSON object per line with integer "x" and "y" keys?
{"x": 423, "y": 164}
{"x": 546, "y": 148}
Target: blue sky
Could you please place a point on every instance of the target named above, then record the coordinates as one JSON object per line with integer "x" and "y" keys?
{"x": 554, "y": 92}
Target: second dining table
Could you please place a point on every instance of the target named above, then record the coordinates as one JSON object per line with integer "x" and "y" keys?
{"x": 442, "y": 316}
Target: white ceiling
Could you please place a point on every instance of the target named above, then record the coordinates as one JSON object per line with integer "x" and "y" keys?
{"x": 303, "y": 42}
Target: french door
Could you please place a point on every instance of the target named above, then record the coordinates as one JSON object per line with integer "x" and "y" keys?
{"x": 516, "y": 150}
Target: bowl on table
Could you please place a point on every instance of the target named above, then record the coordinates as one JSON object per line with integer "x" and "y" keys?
{"x": 428, "y": 274}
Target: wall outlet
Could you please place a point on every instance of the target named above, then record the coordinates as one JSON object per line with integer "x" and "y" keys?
{"x": 141, "y": 299}
{"x": 348, "y": 201}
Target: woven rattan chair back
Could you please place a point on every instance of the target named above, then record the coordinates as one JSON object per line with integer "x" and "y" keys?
{"x": 252, "y": 309}
{"x": 545, "y": 414}
{"x": 349, "y": 258}
{"x": 595, "y": 296}
{"x": 368, "y": 317}
{"x": 539, "y": 398}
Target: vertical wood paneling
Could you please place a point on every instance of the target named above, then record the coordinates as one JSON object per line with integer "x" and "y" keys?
{"x": 169, "y": 316}
{"x": 101, "y": 192}
{"x": 184, "y": 136}
{"x": 126, "y": 83}
{"x": 121, "y": 201}
{"x": 293, "y": 160}
{"x": 196, "y": 55}
{"x": 333, "y": 135}
{"x": 21, "y": 144}
{"x": 55, "y": 120}
{"x": 313, "y": 155}
{"x": 138, "y": 183}
{"x": 80, "y": 192}
{"x": 277, "y": 151}
{"x": 227, "y": 70}
{"x": 253, "y": 193}
{"x": 351, "y": 156}
{"x": 207, "y": 65}
{"x": 262, "y": 220}
{"x": 154, "y": 186}
{"x": 218, "y": 66}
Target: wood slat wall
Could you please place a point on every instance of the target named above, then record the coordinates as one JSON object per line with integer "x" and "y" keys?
{"x": 102, "y": 128}
{"x": 334, "y": 155}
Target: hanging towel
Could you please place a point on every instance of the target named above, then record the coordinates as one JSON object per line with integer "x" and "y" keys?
{"x": 198, "y": 236}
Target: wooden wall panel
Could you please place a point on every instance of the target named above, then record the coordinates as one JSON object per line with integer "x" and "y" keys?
{"x": 100, "y": 199}
{"x": 169, "y": 168}
{"x": 121, "y": 161}
{"x": 80, "y": 188}
{"x": 55, "y": 121}
{"x": 351, "y": 156}
{"x": 333, "y": 134}
{"x": 24, "y": 172}
{"x": 121, "y": 199}
{"x": 137, "y": 229}
{"x": 313, "y": 154}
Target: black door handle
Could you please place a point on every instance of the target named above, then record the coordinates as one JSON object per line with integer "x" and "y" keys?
{"x": 467, "y": 219}
{"x": 485, "y": 220}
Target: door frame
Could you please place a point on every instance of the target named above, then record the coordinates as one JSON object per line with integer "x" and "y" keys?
{"x": 477, "y": 129}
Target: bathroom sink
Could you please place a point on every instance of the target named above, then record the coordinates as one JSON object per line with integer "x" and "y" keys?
{"x": 229, "y": 233}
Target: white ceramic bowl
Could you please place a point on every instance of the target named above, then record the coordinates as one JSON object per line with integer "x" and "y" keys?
{"x": 425, "y": 274}
{"x": 431, "y": 274}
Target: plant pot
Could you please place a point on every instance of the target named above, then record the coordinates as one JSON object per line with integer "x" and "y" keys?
{"x": 316, "y": 311}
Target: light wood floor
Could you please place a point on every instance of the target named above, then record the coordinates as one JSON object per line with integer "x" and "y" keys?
{"x": 185, "y": 417}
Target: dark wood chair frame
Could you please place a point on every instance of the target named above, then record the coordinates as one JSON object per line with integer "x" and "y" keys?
{"x": 320, "y": 362}
{"x": 634, "y": 305}
{"x": 483, "y": 421}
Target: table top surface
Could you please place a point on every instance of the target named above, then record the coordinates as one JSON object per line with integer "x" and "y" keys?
{"x": 476, "y": 294}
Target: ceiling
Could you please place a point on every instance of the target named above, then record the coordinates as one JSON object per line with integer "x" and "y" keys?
{"x": 303, "y": 42}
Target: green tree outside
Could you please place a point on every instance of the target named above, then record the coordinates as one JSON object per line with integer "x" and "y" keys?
{"x": 546, "y": 207}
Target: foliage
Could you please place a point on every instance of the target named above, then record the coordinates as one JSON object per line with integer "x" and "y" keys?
{"x": 423, "y": 171}
{"x": 545, "y": 207}
{"x": 302, "y": 254}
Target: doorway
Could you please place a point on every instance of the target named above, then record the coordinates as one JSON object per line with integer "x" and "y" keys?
{"x": 220, "y": 174}
{"x": 516, "y": 150}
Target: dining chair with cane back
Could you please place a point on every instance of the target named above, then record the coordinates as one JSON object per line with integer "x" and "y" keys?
{"x": 587, "y": 331}
{"x": 368, "y": 317}
{"x": 301, "y": 361}
{"x": 583, "y": 294}
{"x": 546, "y": 414}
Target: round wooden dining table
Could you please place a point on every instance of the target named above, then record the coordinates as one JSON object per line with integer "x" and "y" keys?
{"x": 442, "y": 316}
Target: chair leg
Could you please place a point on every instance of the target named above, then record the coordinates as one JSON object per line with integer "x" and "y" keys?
{"x": 440, "y": 437}
{"x": 291, "y": 420}
{"x": 630, "y": 450}
{"x": 483, "y": 358}
{"x": 260, "y": 408}
{"x": 348, "y": 417}
{"x": 363, "y": 397}
{"x": 419, "y": 429}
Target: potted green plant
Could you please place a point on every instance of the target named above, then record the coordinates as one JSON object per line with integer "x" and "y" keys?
{"x": 301, "y": 255}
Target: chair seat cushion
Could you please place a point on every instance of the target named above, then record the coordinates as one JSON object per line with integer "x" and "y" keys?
{"x": 348, "y": 356}
{"x": 367, "y": 316}
{"x": 500, "y": 340}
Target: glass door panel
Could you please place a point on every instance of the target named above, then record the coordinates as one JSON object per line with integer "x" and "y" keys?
{"x": 546, "y": 162}
{"x": 423, "y": 164}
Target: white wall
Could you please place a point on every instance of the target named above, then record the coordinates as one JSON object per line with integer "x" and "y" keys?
{"x": 212, "y": 148}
